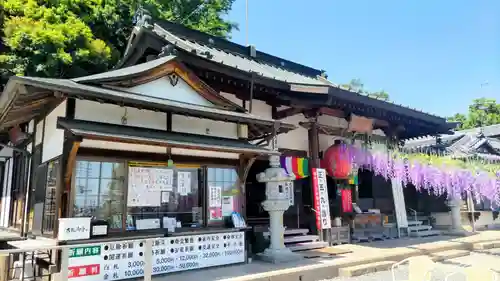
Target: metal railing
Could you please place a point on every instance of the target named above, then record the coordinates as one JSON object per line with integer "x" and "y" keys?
{"x": 125, "y": 259}
{"x": 414, "y": 214}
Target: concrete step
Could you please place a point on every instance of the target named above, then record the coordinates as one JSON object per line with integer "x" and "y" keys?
{"x": 447, "y": 255}
{"x": 358, "y": 270}
{"x": 485, "y": 245}
{"x": 301, "y": 238}
{"x": 414, "y": 223}
{"x": 292, "y": 231}
{"x": 419, "y": 228}
{"x": 425, "y": 233}
{"x": 307, "y": 246}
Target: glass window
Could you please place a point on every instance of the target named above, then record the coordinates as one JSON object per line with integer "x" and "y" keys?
{"x": 182, "y": 203}
{"x": 99, "y": 191}
{"x": 223, "y": 194}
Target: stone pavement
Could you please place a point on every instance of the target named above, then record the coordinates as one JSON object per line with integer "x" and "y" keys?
{"x": 327, "y": 268}
{"x": 489, "y": 258}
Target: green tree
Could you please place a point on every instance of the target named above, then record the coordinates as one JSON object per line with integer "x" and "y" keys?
{"x": 482, "y": 112}
{"x": 69, "y": 38}
{"x": 357, "y": 86}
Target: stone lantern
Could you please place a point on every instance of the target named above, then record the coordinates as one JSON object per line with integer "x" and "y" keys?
{"x": 276, "y": 203}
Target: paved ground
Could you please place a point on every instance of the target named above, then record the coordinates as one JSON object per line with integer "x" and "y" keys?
{"x": 490, "y": 258}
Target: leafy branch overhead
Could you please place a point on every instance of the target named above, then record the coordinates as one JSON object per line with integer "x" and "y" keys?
{"x": 482, "y": 112}
{"x": 357, "y": 86}
{"x": 69, "y": 38}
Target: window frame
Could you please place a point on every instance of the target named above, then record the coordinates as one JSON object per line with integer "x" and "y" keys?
{"x": 202, "y": 182}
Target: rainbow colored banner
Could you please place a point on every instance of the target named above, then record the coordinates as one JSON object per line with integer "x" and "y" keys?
{"x": 297, "y": 167}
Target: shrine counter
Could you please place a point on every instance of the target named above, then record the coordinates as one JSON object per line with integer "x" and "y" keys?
{"x": 122, "y": 256}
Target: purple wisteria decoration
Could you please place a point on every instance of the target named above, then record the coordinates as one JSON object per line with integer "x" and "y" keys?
{"x": 435, "y": 178}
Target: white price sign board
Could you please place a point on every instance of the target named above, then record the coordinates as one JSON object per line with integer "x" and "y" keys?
{"x": 119, "y": 261}
{"x": 321, "y": 201}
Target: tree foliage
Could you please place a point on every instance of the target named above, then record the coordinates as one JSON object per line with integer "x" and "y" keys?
{"x": 357, "y": 86}
{"x": 69, "y": 38}
{"x": 482, "y": 112}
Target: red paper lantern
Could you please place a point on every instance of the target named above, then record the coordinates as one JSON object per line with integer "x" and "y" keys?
{"x": 336, "y": 161}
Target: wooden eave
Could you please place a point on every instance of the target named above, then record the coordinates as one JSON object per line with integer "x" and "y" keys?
{"x": 63, "y": 88}
{"x": 137, "y": 135}
{"x": 21, "y": 103}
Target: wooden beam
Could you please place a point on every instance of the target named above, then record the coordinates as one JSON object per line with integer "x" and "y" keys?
{"x": 71, "y": 164}
{"x": 332, "y": 112}
{"x": 284, "y": 113}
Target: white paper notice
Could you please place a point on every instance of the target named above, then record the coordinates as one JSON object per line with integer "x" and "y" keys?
{"x": 184, "y": 183}
{"x": 169, "y": 224}
{"x": 215, "y": 196}
{"x": 147, "y": 178}
{"x": 138, "y": 198}
{"x": 165, "y": 197}
{"x": 227, "y": 205}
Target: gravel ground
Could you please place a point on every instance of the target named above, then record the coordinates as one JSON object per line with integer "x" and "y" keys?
{"x": 489, "y": 258}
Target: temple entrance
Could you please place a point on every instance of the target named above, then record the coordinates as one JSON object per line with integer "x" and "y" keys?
{"x": 256, "y": 194}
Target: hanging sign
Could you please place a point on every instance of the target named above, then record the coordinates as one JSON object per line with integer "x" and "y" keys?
{"x": 125, "y": 260}
{"x": 73, "y": 229}
{"x": 184, "y": 183}
{"x": 346, "y": 196}
{"x": 321, "y": 202}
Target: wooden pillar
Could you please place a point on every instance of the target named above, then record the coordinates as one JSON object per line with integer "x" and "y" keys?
{"x": 314, "y": 162}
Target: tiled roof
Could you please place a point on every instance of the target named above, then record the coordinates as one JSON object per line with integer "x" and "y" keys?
{"x": 237, "y": 60}
{"x": 462, "y": 142}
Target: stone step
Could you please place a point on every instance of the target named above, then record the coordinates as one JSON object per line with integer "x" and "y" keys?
{"x": 362, "y": 269}
{"x": 414, "y": 223}
{"x": 419, "y": 228}
{"x": 485, "y": 245}
{"x": 301, "y": 238}
{"x": 447, "y": 255}
{"x": 307, "y": 246}
{"x": 425, "y": 233}
{"x": 292, "y": 231}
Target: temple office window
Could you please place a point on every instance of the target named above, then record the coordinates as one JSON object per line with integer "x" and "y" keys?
{"x": 177, "y": 203}
{"x": 99, "y": 191}
{"x": 223, "y": 194}
{"x": 49, "y": 206}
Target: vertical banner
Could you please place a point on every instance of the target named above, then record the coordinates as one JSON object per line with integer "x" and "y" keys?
{"x": 399, "y": 203}
{"x": 289, "y": 191}
{"x": 346, "y": 196}
{"x": 321, "y": 202}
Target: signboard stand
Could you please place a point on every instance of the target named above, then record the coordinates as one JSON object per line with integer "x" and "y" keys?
{"x": 321, "y": 202}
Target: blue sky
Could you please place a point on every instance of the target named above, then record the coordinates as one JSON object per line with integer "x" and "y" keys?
{"x": 427, "y": 54}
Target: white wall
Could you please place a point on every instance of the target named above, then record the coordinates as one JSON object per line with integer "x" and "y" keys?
{"x": 112, "y": 114}
{"x": 6, "y": 198}
{"x": 296, "y": 139}
{"x": 53, "y": 138}
{"x": 198, "y": 126}
{"x": 162, "y": 88}
{"x": 39, "y": 133}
